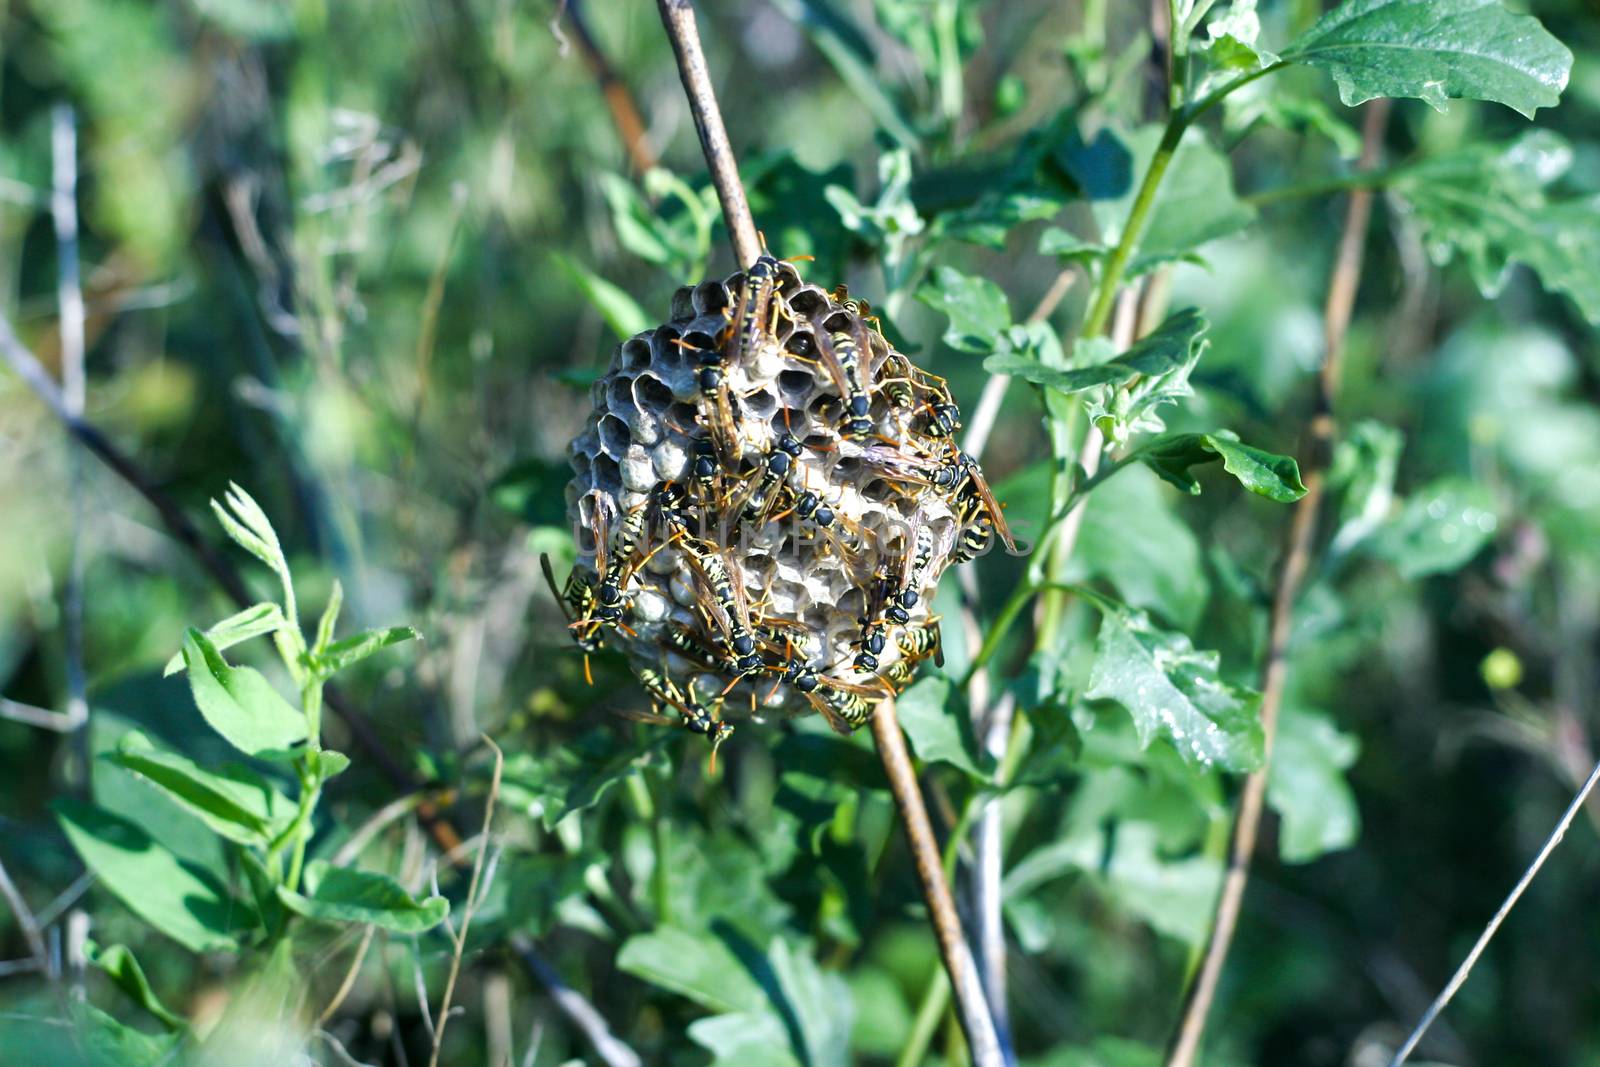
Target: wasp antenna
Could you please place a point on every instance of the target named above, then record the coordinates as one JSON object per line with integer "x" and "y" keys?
{"x": 588, "y": 675}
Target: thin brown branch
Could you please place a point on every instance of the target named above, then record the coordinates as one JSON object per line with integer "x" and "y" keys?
{"x": 618, "y": 97}
{"x": 678, "y": 18}
{"x": 24, "y": 919}
{"x": 973, "y": 1009}
{"x": 471, "y": 906}
{"x": 1342, "y": 288}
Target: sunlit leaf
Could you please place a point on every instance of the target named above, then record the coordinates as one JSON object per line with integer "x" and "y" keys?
{"x": 357, "y": 647}
{"x": 939, "y": 727}
{"x": 239, "y": 703}
{"x": 977, "y": 309}
{"x": 1173, "y": 691}
{"x": 619, "y": 310}
{"x": 251, "y": 622}
{"x": 1265, "y": 473}
{"x": 236, "y": 803}
{"x": 1435, "y": 50}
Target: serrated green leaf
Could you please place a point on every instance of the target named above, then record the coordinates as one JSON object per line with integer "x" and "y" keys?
{"x": 939, "y": 727}
{"x": 177, "y": 898}
{"x": 1488, "y": 204}
{"x": 1442, "y": 526}
{"x": 1264, "y": 473}
{"x": 344, "y": 895}
{"x": 1435, "y": 50}
{"x": 977, "y": 309}
{"x": 619, "y": 310}
{"x": 1173, "y": 691}
{"x": 1307, "y": 788}
{"x": 239, "y": 703}
{"x": 251, "y": 622}
{"x": 124, "y": 971}
{"x": 236, "y": 803}
{"x": 357, "y": 647}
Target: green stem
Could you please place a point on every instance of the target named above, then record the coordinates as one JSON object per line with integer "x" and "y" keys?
{"x": 950, "y": 89}
{"x": 1368, "y": 179}
{"x": 1105, "y": 293}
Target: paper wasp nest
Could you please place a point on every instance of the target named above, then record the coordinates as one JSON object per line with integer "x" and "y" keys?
{"x": 764, "y": 497}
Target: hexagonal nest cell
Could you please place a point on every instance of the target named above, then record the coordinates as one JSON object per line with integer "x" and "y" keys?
{"x": 763, "y": 500}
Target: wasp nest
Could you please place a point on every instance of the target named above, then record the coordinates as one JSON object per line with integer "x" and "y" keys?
{"x": 764, "y": 497}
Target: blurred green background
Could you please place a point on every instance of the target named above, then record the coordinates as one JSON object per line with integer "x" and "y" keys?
{"x": 352, "y": 254}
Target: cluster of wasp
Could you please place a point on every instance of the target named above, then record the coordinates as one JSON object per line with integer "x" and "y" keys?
{"x": 764, "y": 498}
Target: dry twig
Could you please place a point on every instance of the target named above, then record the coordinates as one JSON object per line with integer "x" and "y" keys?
{"x": 1297, "y": 557}
{"x": 678, "y": 18}
{"x": 619, "y": 100}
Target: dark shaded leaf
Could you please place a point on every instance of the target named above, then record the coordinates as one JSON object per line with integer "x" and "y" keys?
{"x": 124, "y": 971}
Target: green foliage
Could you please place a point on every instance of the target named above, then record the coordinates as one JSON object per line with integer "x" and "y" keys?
{"x": 366, "y": 259}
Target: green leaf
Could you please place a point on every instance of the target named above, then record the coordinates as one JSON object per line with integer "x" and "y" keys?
{"x": 619, "y": 310}
{"x": 251, "y": 622}
{"x": 991, "y": 219}
{"x": 105, "y": 1041}
{"x": 1170, "y": 350}
{"x": 1435, "y": 50}
{"x": 1441, "y": 528}
{"x": 124, "y": 971}
{"x": 1068, "y": 247}
{"x": 1131, "y": 538}
{"x": 236, "y": 803}
{"x": 172, "y": 895}
{"x": 357, "y": 647}
{"x": 1101, "y": 168}
{"x": 1173, "y": 690}
{"x": 1194, "y": 206}
{"x": 938, "y": 725}
{"x": 1265, "y": 473}
{"x": 977, "y": 309}
{"x": 1488, "y": 205}
{"x": 239, "y": 703}
{"x": 343, "y": 895}
{"x": 745, "y": 1039}
{"x": 326, "y": 763}
{"x": 1306, "y": 786}
{"x": 1174, "y": 896}
{"x": 329, "y": 618}
{"x": 250, "y": 528}
{"x": 575, "y": 775}
{"x": 698, "y": 966}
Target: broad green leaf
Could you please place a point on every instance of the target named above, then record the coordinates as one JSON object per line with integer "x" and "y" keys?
{"x": 236, "y": 803}
{"x": 619, "y": 310}
{"x": 239, "y": 703}
{"x": 70, "y": 1032}
{"x": 1172, "y": 690}
{"x": 1307, "y": 788}
{"x": 124, "y": 971}
{"x": 172, "y": 895}
{"x": 698, "y": 966}
{"x": 745, "y": 1039}
{"x": 357, "y": 647}
{"x": 1435, "y": 50}
{"x": 1173, "y": 346}
{"x": 1194, "y": 205}
{"x": 104, "y": 1040}
{"x": 1265, "y": 473}
{"x": 977, "y": 309}
{"x": 938, "y": 725}
{"x": 251, "y": 622}
{"x": 818, "y": 1001}
{"x": 1442, "y": 526}
{"x": 1131, "y": 538}
{"x": 343, "y": 895}
{"x": 1489, "y": 205}
{"x": 1174, "y": 896}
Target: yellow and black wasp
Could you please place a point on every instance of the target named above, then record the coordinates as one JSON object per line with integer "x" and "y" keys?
{"x": 843, "y": 354}
{"x": 762, "y": 495}
{"x": 694, "y": 715}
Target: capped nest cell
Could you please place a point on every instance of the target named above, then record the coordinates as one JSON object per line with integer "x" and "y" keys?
{"x": 763, "y": 500}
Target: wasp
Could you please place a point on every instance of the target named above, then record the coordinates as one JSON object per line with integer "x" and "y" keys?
{"x": 874, "y": 630}
{"x": 576, "y": 600}
{"x": 753, "y": 317}
{"x": 902, "y": 599}
{"x": 722, "y": 599}
{"x": 716, "y": 401}
{"x": 705, "y": 468}
{"x": 694, "y": 715}
{"x": 691, "y": 647}
{"x": 812, "y": 508}
{"x": 842, "y": 354}
{"x": 976, "y": 505}
{"x": 845, "y": 705}
{"x": 919, "y": 643}
{"x": 614, "y": 565}
{"x": 756, "y": 503}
